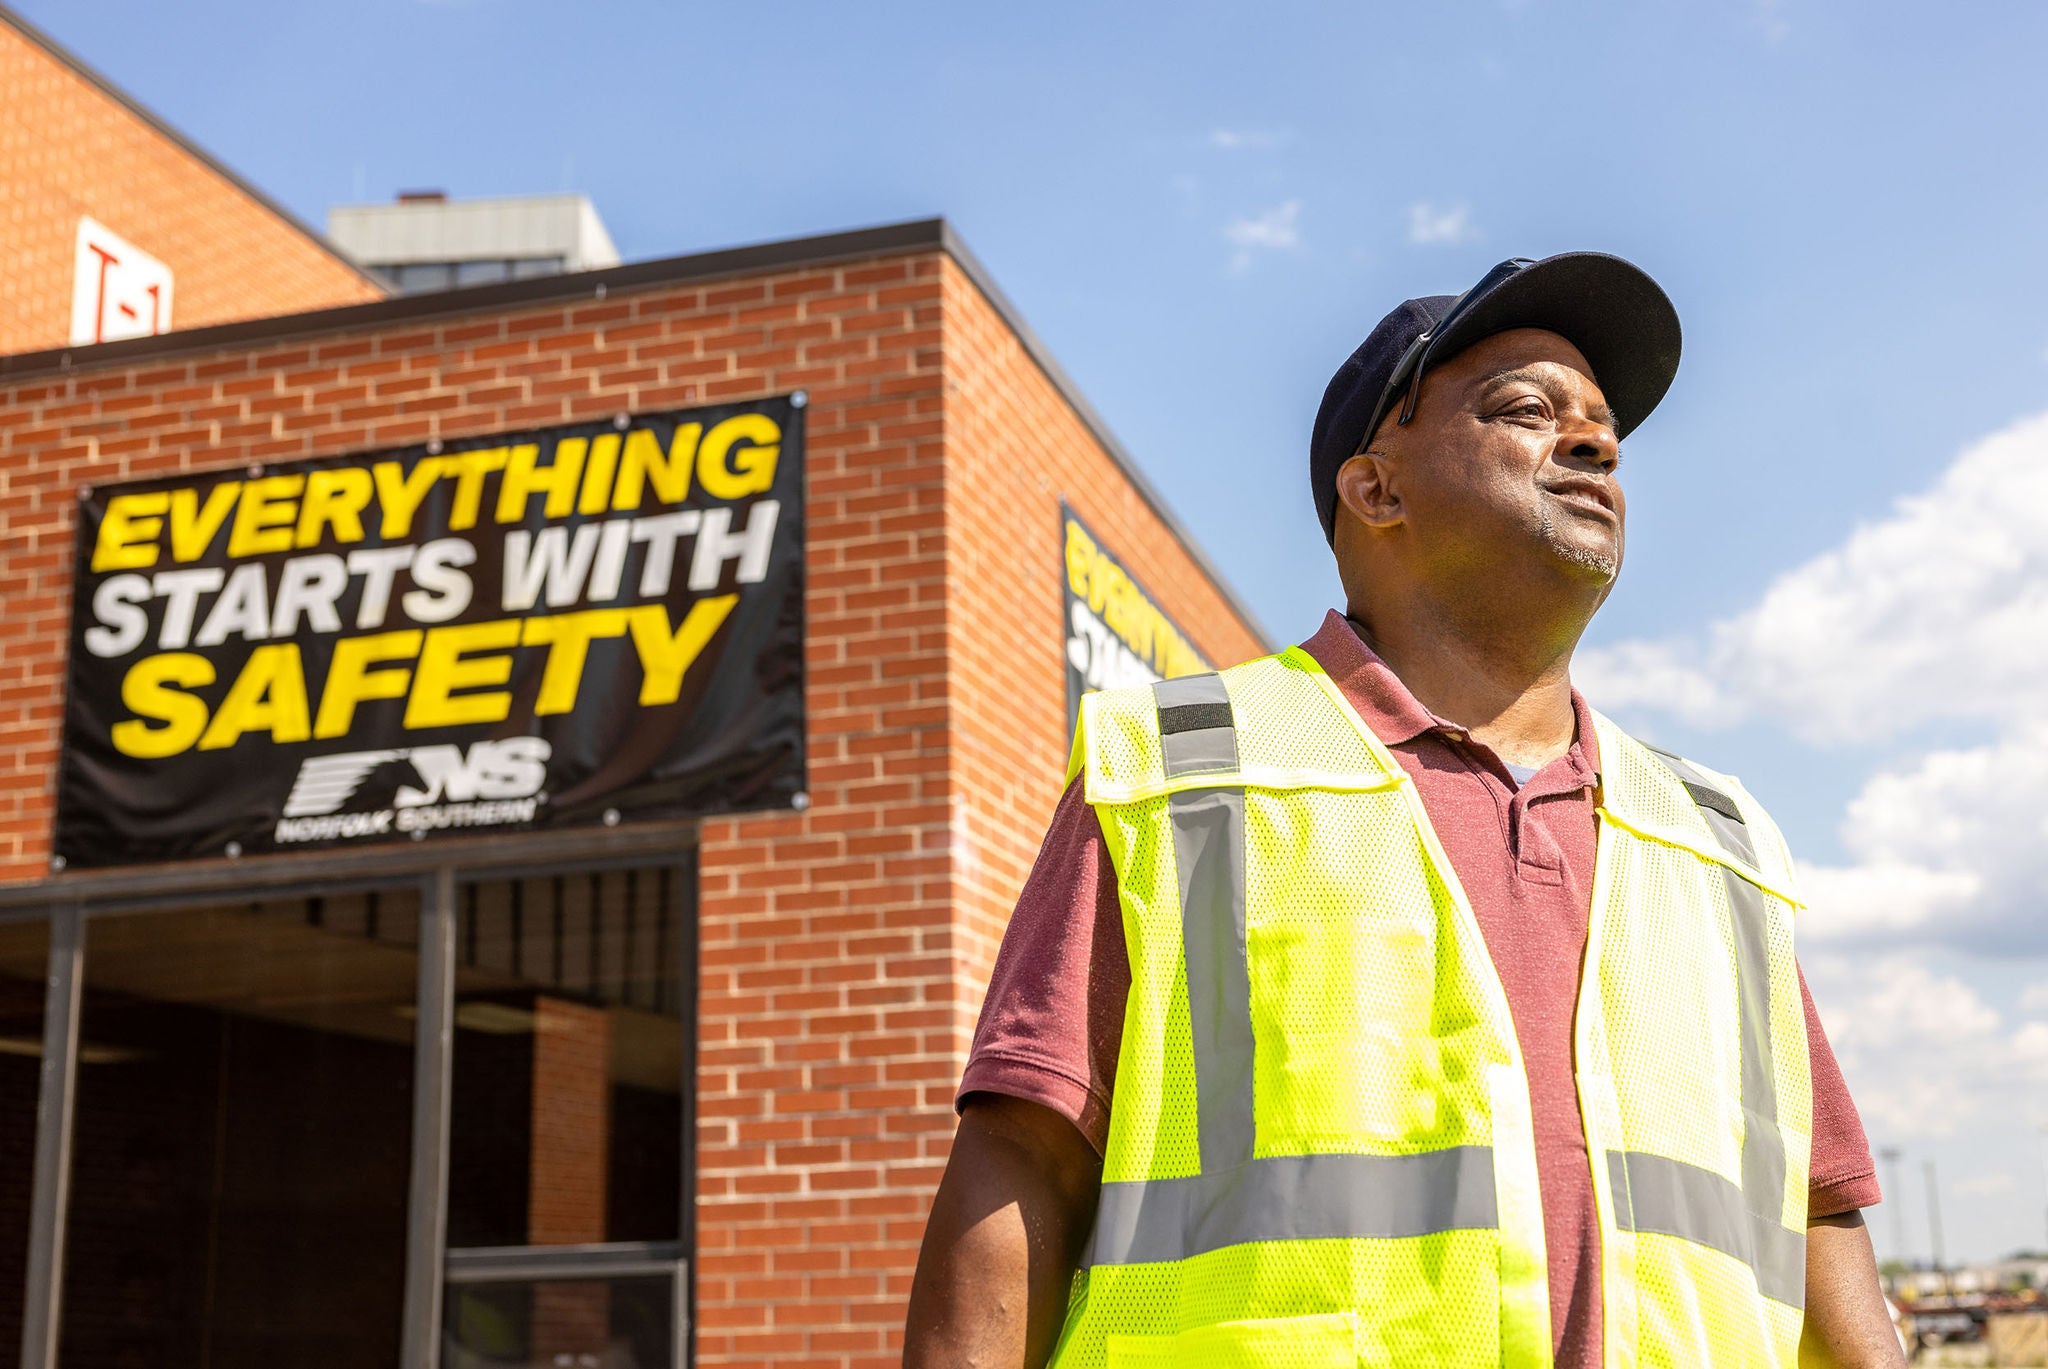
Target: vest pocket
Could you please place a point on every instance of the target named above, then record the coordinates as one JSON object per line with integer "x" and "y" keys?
{"x": 1327, "y": 1341}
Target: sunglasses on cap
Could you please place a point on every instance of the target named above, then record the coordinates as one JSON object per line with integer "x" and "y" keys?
{"x": 1408, "y": 373}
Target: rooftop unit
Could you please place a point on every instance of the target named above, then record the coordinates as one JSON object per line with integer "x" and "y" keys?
{"x": 426, "y": 241}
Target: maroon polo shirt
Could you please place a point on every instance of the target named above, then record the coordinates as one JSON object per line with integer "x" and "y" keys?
{"x": 1052, "y": 1025}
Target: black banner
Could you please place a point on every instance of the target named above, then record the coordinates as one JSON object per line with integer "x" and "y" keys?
{"x": 598, "y": 622}
{"x": 1116, "y": 635}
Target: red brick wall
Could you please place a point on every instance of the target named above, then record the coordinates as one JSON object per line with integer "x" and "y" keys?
{"x": 1014, "y": 449}
{"x": 824, "y": 972}
{"x": 68, "y": 149}
{"x": 571, "y": 1128}
{"x": 572, "y": 1047}
{"x": 844, "y": 949}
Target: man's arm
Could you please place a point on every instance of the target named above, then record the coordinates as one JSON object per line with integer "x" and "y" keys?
{"x": 1847, "y": 1323}
{"x": 1005, "y": 1234}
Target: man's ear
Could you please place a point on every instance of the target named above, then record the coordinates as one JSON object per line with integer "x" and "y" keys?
{"x": 1365, "y": 487}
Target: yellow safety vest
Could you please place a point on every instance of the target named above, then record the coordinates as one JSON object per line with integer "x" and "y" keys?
{"x": 1320, "y": 1152}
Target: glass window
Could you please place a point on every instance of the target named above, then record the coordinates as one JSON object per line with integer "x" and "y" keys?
{"x": 527, "y": 268}
{"x": 566, "y": 1101}
{"x": 415, "y": 277}
{"x": 24, "y": 966}
{"x": 482, "y": 272}
{"x": 601, "y": 1320}
{"x": 242, "y": 1135}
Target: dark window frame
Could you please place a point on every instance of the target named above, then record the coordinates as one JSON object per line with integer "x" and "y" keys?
{"x": 69, "y": 902}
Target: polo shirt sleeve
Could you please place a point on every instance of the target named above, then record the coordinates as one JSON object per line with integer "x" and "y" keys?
{"x": 1843, "y": 1177}
{"x": 1052, "y": 1024}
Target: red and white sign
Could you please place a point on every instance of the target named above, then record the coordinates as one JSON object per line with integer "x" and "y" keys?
{"x": 119, "y": 290}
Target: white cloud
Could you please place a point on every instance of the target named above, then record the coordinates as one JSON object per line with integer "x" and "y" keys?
{"x": 1937, "y": 611}
{"x": 1769, "y": 18}
{"x": 1948, "y": 848}
{"x": 1884, "y": 900}
{"x": 1662, "y": 676}
{"x": 1924, "y": 1055}
{"x": 1246, "y": 139}
{"x": 1429, "y": 225}
{"x": 2034, "y": 998}
{"x": 1275, "y": 230}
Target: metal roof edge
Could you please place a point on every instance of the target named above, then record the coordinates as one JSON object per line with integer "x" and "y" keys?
{"x": 199, "y": 154}
{"x": 887, "y": 240}
{"x": 1086, "y": 412}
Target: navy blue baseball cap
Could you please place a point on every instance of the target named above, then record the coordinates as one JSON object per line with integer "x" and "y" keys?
{"x": 1617, "y": 317}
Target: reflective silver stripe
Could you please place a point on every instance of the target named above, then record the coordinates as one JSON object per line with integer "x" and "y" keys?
{"x": 1763, "y": 1143}
{"x": 1208, "y": 849}
{"x": 1716, "y": 807}
{"x": 1762, "y": 1197}
{"x": 1732, "y": 833}
{"x": 1763, "y": 1146}
{"x": 1671, "y": 1198}
{"x": 1195, "y": 730}
{"x": 1295, "y": 1198}
{"x": 1237, "y": 1198}
{"x": 1199, "y": 735}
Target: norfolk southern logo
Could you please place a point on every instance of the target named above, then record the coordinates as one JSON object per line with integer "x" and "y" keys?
{"x": 416, "y": 789}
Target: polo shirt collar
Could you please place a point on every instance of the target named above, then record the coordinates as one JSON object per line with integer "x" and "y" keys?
{"x": 1395, "y": 715}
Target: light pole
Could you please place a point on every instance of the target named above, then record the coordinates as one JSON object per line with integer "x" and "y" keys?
{"x": 1934, "y": 1224}
{"x": 1890, "y": 1156}
{"x": 2043, "y": 1129}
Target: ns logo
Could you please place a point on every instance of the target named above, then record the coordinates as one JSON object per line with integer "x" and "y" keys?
{"x": 512, "y": 768}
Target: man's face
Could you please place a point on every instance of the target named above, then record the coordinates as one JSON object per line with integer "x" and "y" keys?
{"x": 1511, "y": 452}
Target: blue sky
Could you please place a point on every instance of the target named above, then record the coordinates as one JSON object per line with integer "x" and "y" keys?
{"x": 1202, "y": 207}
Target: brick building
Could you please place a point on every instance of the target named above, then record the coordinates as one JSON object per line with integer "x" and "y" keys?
{"x": 74, "y": 148}
{"x": 552, "y": 1095}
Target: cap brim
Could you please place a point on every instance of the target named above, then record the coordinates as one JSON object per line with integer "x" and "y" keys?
{"x": 1618, "y": 318}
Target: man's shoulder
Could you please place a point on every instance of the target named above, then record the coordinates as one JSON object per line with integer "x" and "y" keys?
{"x": 1700, "y": 779}
{"x": 1713, "y": 793}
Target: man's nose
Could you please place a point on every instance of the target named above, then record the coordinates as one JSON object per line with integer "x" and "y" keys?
{"x": 1589, "y": 442}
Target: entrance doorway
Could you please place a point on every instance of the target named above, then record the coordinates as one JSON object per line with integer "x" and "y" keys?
{"x": 440, "y": 1119}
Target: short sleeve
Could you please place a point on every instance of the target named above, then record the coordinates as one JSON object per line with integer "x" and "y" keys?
{"x": 1052, "y": 1024}
{"x": 1843, "y": 1176}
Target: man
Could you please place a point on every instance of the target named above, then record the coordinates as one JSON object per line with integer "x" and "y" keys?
{"x": 1378, "y": 1003}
